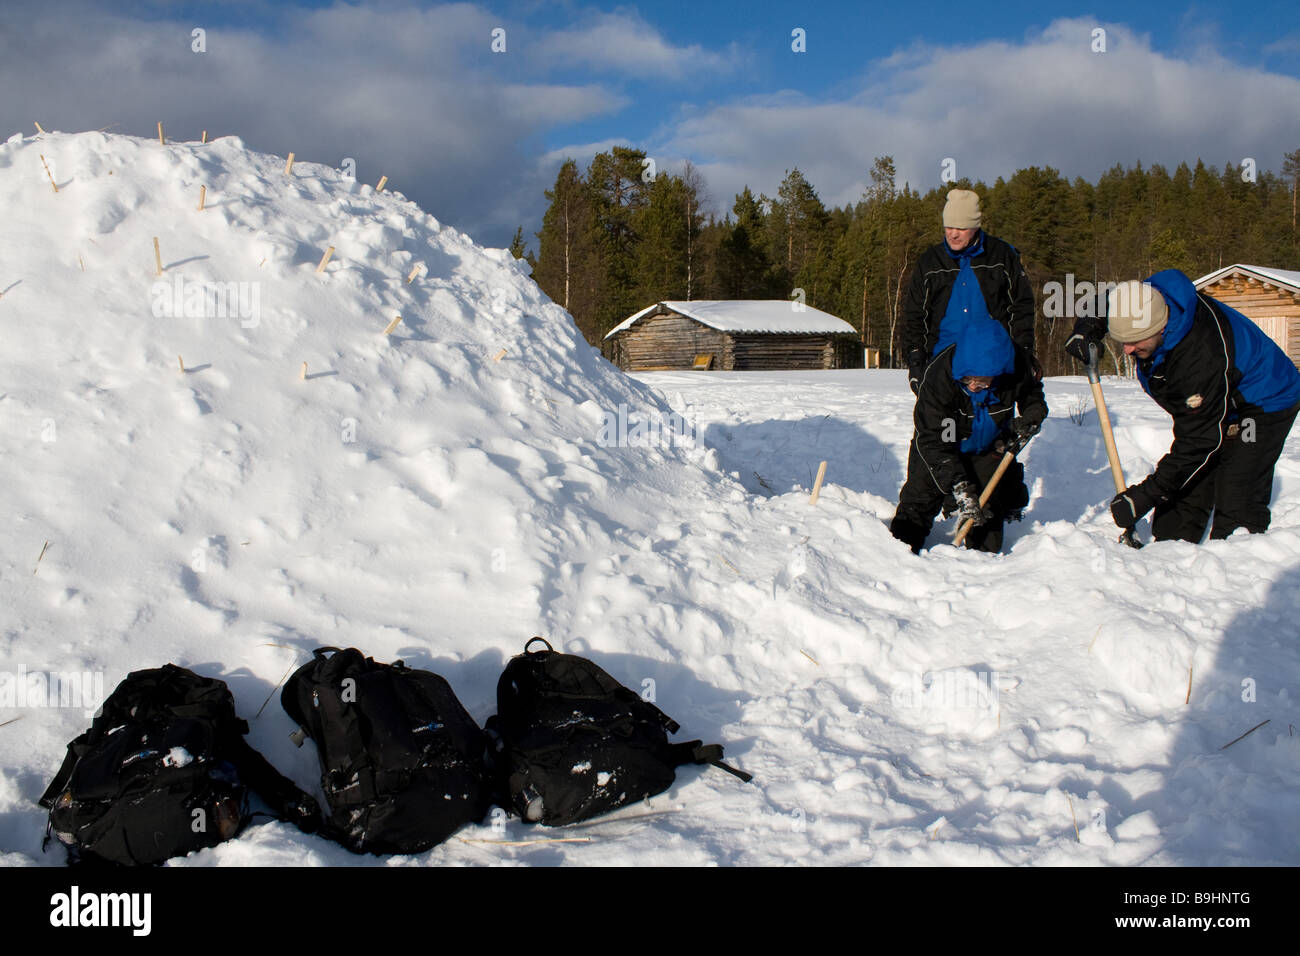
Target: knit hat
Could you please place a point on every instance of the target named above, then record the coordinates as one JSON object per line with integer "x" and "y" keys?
{"x": 983, "y": 349}
{"x": 962, "y": 210}
{"x": 1136, "y": 311}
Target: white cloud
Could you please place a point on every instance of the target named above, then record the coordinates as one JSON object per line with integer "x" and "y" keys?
{"x": 415, "y": 94}
{"x": 996, "y": 107}
{"x": 624, "y": 42}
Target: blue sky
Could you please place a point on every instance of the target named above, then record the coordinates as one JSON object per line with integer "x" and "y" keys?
{"x": 413, "y": 90}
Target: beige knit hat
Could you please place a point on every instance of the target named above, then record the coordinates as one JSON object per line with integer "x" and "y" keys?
{"x": 962, "y": 210}
{"x": 1136, "y": 311}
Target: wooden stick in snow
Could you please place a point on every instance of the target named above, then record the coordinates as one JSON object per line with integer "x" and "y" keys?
{"x": 388, "y": 329}
{"x": 1094, "y": 638}
{"x": 288, "y": 165}
{"x": 205, "y": 137}
{"x": 157, "y": 255}
{"x": 302, "y": 376}
{"x": 41, "y": 555}
{"x": 414, "y": 269}
{"x": 39, "y": 128}
{"x": 325, "y": 259}
{"x": 48, "y": 173}
{"x": 276, "y": 687}
{"x": 499, "y": 356}
{"x": 203, "y": 195}
{"x": 383, "y": 180}
{"x": 817, "y": 485}
{"x": 181, "y": 362}
{"x": 161, "y": 141}
{"x": 1246, "y": 734}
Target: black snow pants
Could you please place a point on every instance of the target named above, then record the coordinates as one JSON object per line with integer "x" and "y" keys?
{"x": 921, "y": 500}
{"x": 1237, "y": 484}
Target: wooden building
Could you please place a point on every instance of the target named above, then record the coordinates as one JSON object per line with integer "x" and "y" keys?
{"x": 1268, "y": 297}
{"x": 740, "y": 335}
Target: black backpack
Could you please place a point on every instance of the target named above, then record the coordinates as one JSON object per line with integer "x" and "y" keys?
{"x": 163, "y": 770}
{"x": 401, "y": 760}
{"x": 571, "y": 742}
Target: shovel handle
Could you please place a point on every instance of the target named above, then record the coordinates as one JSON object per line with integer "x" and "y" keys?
{"x": 1108, "y": 435}
{"x": 985, "y": 495}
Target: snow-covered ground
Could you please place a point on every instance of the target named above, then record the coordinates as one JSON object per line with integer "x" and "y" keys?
{"x": 420, "y": 495}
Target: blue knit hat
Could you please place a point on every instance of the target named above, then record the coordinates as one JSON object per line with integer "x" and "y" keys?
{"x": 983, "y": 348}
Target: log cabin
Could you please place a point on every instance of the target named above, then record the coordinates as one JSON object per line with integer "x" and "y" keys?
{"x": 733, "y": 335}
{"x": 1268, "y": 297}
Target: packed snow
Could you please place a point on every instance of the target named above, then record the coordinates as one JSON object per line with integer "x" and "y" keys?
{"x": 479, "y": 475}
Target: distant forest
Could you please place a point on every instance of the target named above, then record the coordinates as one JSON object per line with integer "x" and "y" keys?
{"x": 621, "y": 235}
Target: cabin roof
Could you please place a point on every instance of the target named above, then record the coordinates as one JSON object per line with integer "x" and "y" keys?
{"x": 748, "y": 315}
{"x": 1283, "y": 277}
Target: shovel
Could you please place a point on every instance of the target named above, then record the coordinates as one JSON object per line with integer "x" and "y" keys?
{"x": 985, "y": 495}
{"x": 1116, "y": 472}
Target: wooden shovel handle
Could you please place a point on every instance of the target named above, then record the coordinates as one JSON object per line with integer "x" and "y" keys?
{"x": 1108, "y": 434}
{"x": 985, "y": 495}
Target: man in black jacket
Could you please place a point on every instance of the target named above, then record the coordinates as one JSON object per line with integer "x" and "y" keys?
{"x": 1233, "y": 395}
{"x": 969, "y": 275}
{"x": 964, "y": 425}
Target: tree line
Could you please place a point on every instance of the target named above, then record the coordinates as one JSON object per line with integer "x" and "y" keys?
{"x": 620, "y": 236}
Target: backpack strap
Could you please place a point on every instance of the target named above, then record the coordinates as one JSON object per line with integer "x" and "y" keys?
{"x": 544, "y": 641}
{"x": 290, "y": 804}
{"x": 698, "y": 752}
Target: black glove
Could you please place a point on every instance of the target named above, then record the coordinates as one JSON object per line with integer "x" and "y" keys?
{"x": 968, "y": 506}
{"x": 1034, "y": 366}
{"x": 1087, "y": 331}
{"x": 1128, "y": 507}
{"x": 1023, "y": 429}
{"x": 916, "y": 361}
{"x": 1077, "y": 346}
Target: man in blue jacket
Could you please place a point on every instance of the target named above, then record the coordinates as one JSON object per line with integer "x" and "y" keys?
{"x": 1233, "y": 395}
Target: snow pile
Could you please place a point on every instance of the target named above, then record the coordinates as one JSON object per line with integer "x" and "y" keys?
{"x": 423, "y": 496}
{"x": 426, "y": 494}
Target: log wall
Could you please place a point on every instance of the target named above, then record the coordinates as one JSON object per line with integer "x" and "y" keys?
{"x": 671, "y": 341}
{"x": 660, "y": 342}
{"x": 1276, "y": 311}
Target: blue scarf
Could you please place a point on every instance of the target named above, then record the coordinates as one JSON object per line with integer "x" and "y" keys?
{"x": 966, "y": 303}
{"x": 983, "y": 430}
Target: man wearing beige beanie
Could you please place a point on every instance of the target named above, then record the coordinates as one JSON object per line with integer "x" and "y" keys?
{"x": 970, "y": 275}
{"x": 1233, "y": 395}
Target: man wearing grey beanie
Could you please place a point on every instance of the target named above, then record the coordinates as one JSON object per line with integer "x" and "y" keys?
{"x": 1233, "y": 395}
{"x": 970, "y": 275}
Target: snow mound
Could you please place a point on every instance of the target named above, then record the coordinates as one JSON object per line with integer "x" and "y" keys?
{"x": 166, "y": 437}
{"x": 195, "y": 493}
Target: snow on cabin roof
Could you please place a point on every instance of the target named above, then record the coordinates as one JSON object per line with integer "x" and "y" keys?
{"x": 748, "y": 315}
{"x": 1276, "y": 276}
